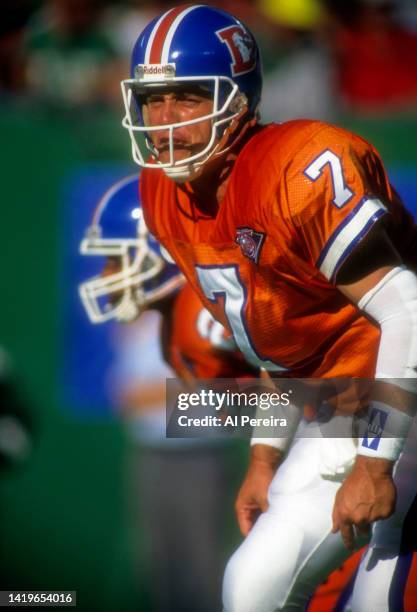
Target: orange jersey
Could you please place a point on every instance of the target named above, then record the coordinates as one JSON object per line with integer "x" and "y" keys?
{"x": 300, "y": 197}
{"x": 328, "y": 595}
{"x": 199, "y": 347}
{"x": 334, "y": 593}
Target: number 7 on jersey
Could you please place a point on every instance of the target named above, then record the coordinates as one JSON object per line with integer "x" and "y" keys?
{"x": 224, "y": 281}
{"x": 341, "y": 193}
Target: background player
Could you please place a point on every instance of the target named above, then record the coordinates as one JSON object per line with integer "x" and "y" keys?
{"x": 184, "y": 529}
{"x": 298, "y": 230}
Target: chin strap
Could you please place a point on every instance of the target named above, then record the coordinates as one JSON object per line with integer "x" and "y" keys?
{"x": 189, "y": 172}
{"x": 234, "y": 132}
{"x": 128, "y": 312}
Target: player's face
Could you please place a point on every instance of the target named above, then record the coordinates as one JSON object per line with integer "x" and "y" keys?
{"x": 113, "y": 265}
{"x": 167, "y": 107}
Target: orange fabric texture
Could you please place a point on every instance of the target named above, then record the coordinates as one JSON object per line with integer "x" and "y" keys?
{"x": 292, "y": 314}
{"x": 192, "y": 353}
{"x": 327, "y": 595}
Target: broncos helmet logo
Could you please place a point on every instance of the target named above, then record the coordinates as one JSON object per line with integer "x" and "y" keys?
{"x": 241, "y": 47}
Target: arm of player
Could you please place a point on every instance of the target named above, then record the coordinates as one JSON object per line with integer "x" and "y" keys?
{"x": 252, "y": 498}
{"x": 339, "y": 200}
{"x": 266, "y": 454}
{"x": 388, "y": 294}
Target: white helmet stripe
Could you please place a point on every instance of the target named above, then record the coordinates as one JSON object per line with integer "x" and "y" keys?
{"x": 152, "y": 36}
{"x": 172, "y": 30}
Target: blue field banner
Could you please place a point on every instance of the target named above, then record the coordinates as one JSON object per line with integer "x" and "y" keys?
{"x": 404, "y": 180}
{"x": 87, "y": 354}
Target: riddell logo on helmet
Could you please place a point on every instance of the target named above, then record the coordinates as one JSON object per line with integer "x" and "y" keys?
{"x": 155, "y": 71}
{"x": 241, "y": 47}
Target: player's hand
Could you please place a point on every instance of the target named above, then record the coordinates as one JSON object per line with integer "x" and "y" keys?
{"x": 368, "y": 494}
{"x": 252, "y": 498}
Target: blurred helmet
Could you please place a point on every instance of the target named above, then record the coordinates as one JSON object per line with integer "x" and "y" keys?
{"x": 206, "y": 47}
{"x": 142, "y": 271}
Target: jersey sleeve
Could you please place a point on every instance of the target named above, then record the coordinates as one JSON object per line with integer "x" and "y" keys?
{"x": 336, "y": 189}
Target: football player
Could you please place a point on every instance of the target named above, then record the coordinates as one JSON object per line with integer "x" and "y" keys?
{"x": 194, "y": 344}
{"x": 136, "y": 273}
{"x": 294, "y": 239}
{"x": 139, "y": 274}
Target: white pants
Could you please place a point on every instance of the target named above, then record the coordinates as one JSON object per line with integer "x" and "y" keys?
{"x": 291, "y": 550}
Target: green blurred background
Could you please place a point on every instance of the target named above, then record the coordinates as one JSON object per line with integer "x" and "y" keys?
{"x": 63, "y": 519}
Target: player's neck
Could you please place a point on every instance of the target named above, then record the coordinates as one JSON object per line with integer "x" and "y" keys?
{"x": 211, "y": 185}
{"x": 210, "y": 188}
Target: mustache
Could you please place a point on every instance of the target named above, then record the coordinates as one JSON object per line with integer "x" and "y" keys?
{"x": 163, "y": 145}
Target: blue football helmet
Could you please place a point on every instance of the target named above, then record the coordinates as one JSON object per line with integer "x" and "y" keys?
{"x": 208, "y": 48}
{"x": 142, "y": 271}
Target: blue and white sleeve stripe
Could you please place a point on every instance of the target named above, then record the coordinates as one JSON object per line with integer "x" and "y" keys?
{"x": 348, "y": 234}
